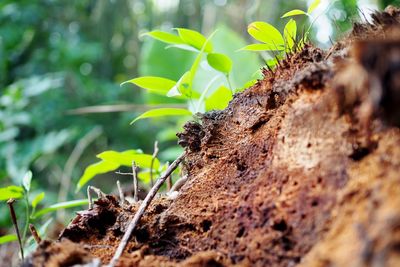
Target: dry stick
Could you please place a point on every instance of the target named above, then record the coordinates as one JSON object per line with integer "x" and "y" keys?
{"x": 169, "y": 180}
{"x": 155, "y": 153}
{"x": 121, "y": 194}
{"x": 99, "y": 193}
{"x": 35, "y": 233}
{"x": 179, "y": 183}
{"x": 143, "y": 206}
{"x": 135, "y": 182}
{"x": 10, "y": 203}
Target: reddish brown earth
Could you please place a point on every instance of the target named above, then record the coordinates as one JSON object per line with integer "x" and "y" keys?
{"x": 302, "y": 169}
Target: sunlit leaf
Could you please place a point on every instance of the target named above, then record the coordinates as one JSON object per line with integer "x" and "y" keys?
{"x": 153, "y": 84}
{"x": 11, "y": 191}
{"x": 165, "y": 37}
{"x": 183, "y": 47}
{"x": 26, "y": 181}
{"x": 220, "y": 62}
{"x": 294, "y": 12}
{"x": 313, "y": 6}
{"x": 266, "y": 33}
{"x": 163, "y": 112}
{"x": 95, "y": 169}
{"x": 7, "y": 238}
{"x": 61, "y": 205}
{"x": 145, "y": 176}
{"x": 182, "y": 87}
{"x": 37, "y": 199}
{"x": 126, "y": 158}
{"x": 262, "y": 47}
{"x": 194, "y": 39}
{"x": 219, "y": 99}
{"x": 290, "y": 34}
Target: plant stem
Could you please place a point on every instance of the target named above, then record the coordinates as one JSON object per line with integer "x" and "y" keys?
{"x": 229, "y": 83}
{"x": 135, "y": 182}
{"x": 142, "y": 208}
{"x": 10, "y": 203}
{"x": 154, "y": 156}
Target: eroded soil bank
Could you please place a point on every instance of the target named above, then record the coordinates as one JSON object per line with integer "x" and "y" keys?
{"x": 302, "y": 169}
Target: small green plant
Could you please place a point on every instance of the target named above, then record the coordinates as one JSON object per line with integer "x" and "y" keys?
{"x": 273, "y": 41}
{"x": 30, "y": 204}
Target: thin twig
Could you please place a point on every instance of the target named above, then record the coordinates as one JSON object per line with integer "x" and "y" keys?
{"x": 135, "y": 182}
{"x": 124, "y": 173}
{"x": 121, "y": 193}
{"x": 10, "y": 203}
{"x": 169, "y": 180}
{"x": 153, "y": 157}
{"x": 77, "y": 152}
{"x": 35, "y": 233}
{"x": 179, "y": 183}
{"x": 143, "y": 206}
{"x": 99, "y": 193}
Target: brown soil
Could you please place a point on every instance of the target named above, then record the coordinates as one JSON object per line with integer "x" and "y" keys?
{"x": 302, "y": 169}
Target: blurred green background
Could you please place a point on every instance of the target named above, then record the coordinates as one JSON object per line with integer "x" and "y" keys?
{"x": 61, "y": 63}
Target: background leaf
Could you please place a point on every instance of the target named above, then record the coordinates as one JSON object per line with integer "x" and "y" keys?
{"x": 266, "y": 33}
{"x": 313, "y": 6}
{"x": 26, "y": 181}
{"x": 61, "y": 205}
{"x": 153, "y": 84}
{"x": 125, "y": 159}
{"x": 194, "y": 39}
{"x": 294, "y": 12}
{"x": 37, "y": 199}
{"x": 290, "y": 34}
{"x": 165, "y": 37}
{"x": 219, "y": 99}
{"x": 7, "y": 238}
{"x": 162, "y": 112}
{"x": 94, "y": 169}
{"x": 11, "y": 191}
{"x": 220, "y": 62}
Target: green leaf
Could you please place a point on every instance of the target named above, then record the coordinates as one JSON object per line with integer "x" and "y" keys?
{"x": 157, "y": 85}
{"x": 7, "y": 238}
{"x": 125, "y": 158}
{"x": 290, "y": 34}
{"x": 94, "y": 169}
{"x": 313, "y": 6}
{"x": 266, "y": 33}
{"x": 61, "y": 205}
{"x": 219, "y": 99}
{"x": 294, "y": 12}
{"x": 182, "y": 87}
{"x": 37, "y": 199}
{"x": 220, "y": 62}
{"x": 261, "y": 47}
{"x": 162, "y": 112}
{"x": 26, "y": 181}
{"x": 165, "y": 37}
{"x": 195, "y": 39}
{"x": 11, "y": 191}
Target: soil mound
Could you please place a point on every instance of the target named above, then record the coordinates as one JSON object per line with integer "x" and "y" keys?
{"x": 302, "y": 169}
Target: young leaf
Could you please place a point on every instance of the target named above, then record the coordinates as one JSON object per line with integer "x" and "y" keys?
{"x": 219, "y": 99}
{"x": 266, "y": 33}
{"x": 183, "y": 86}
{"x": 162, "y": 112}
{"x": 61, "y": 205}
{"x": 11, "y": 191}
{"x": 165, "y": 37}
{"x": 126, "y": 158}
{"x": 290, "y": 34}
{"x": 220, "y": 62}
{"x": 195, "y": 39}
{"x": 26, "y": 181}
{"x": 313, "y": 6}
{"x": 294, "y": 12}
{"x": 261, "y": 47}
{"x": 7, "y": 238}
{"x": 94, "y": 169}
{"x": 37, "y": 200}
{"x": 157, "y": 85}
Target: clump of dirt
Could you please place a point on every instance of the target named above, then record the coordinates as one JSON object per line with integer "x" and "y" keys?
{"x": 302, "y": 169}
